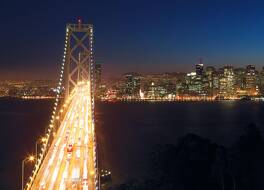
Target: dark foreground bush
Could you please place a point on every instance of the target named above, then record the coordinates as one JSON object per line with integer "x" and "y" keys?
{"x": 196, "y": 163}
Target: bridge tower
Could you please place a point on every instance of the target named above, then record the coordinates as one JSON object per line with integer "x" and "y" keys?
{"x": 79, "y": 56}
{"x": 79, "y": 64}
{"x": 52, "y": 167}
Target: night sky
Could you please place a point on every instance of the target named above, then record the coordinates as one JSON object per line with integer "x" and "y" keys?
{"x": 137, "y": 35}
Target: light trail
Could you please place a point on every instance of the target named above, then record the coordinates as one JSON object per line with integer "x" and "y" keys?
{"x": 70, "y": 162}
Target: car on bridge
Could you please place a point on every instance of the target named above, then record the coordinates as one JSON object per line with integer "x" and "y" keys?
{"x": 70, "y": 148}
{"x": 69, "y": 151}
{"x": 84, "y": 184}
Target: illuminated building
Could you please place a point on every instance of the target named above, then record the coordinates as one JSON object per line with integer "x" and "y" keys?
{"x": 151, "y": 91}
{"x": 199, "y": 68}
{"x": 100, "y": 89}
{"x": 30, "y": 89}
{"x": 239, "y": 83}
{"x": 194, "y": 84}
{"x": 165, "y": 84}
{"x": 131, "y": 85}
{"x": 250, "y": 80}
{"x": 197, "y": 83}
{"x": 209, "y": 75}
{"x": 261, "y": 81}
{"x": 226, "y": 81}
{"x": 181, "y": 87}
{"x": 3, "y": 89}
{"x": 168, "y": 83}
{"x": 216, "y": 83}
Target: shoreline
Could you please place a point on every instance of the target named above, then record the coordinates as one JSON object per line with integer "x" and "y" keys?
{"x": 261, "y": 99}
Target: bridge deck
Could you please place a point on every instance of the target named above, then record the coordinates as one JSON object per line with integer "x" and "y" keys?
{"x": 70, "y": 161}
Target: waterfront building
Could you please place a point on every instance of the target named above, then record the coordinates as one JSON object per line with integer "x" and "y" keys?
{"x": 216, "y": 83}
{"x": 209, "y": 71}
{"x": 199, "y": 68}
{"x": 261, "y": 81}
{"x": 152, "y": 91}
{"x": 194, "y": 83}
{"x": 226, "y": 81}
{"x": 250, "y": 80}
{"x": 100, "y": 89}
{"x": 239, "y": 83}
{"x": 131, "y": 85}
{"x": 208, "y": 83}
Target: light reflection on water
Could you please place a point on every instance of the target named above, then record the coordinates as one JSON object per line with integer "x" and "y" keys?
{"x": 127, "y": 132}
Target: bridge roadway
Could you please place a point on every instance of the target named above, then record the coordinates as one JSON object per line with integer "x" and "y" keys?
{"x": 69, "y": 163}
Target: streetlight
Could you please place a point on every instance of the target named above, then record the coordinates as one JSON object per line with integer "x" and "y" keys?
{"x": 27, "y": 159}
{"x": 41, "y": 140}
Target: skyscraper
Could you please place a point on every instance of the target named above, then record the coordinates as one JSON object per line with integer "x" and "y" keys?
{"x": 261, "y": 81}
{"x": 198, "y": 83}
{"x": 250, "y": 80}
{"x": 227, "y": 81}
{"x": 209, "y": 73}
{"x": 194, "y": 84}
{"x": 132, "y": 85}
{"x": 239, "y": 84}
{"x": 199, "y": 68}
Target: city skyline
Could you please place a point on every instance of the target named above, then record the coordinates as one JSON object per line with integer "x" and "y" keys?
{"x": 168, "y": 36}
{"x": 203, "y": 83}
{"x": 132, "y": 95}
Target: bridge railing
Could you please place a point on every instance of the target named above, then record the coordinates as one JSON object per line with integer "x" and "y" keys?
{"x": 52, "y": 126}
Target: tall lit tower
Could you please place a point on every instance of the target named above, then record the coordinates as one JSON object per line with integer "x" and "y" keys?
{"x": 79, "y": 65}
{"x": 199, "y": 67}
{"x": 68, "y": 158}
{"x": 250, "y": 79}
{"x": 79, "y": 55}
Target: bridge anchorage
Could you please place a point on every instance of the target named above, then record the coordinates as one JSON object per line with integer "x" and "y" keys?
{"x": 68, "y": 156}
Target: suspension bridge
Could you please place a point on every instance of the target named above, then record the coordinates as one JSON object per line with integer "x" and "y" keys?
{"x": 68, "y": 155}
